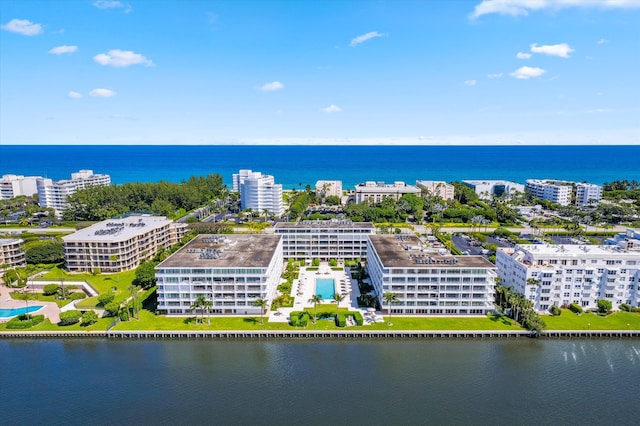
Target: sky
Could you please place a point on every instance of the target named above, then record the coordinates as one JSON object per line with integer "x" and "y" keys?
{"x": 405, "y": 72}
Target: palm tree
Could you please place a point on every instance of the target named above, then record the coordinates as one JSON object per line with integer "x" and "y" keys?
{"x": 262, "y": 304}
{"x": 26, "y": 296}
{"x": 208, "y": 305}
{"x": 390, "y": 298}
{"x": 338, "y": 298}
{"x": 315, "y": 299}
{"x": 198, "y": 304}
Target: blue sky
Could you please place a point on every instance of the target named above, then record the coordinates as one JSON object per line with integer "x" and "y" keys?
{"x": 393, "y": 72}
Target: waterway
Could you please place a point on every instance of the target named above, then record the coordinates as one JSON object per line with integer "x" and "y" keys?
{"x": 523, "y": 381}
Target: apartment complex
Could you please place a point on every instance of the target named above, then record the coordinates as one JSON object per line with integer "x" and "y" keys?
{"x": 628, "y": 240}
{"x": 328, "y": 188}
{"x": 324, "y": 239}
{"x": 562, "y": 191}
{"x": 375, "y": 192}
{"x": 14, "y": 185}
{"x": 12, "y": 252}
{"x": 437, "y": 188}
{"x": 427, "y": 282}
{"x": 232, "y": 271}
{"x": 487, "y": 189}
{"x": 559, "y": 275}
{"x": 54, "y": 194}
{"x": 117, "y": 245}
{"x": 258, "y": 192}
{"x": 587, "y": 194}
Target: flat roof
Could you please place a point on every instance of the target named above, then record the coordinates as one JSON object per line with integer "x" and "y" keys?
{"x": 224, "y": 251}
{"x": 568, "y": 250}
{"x": 118, "y": 229}
{"x": 325, "y": 224}
{"x": 404, "y": 251}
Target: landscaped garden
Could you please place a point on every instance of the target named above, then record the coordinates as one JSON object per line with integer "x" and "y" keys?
{"x": 568, "y": 320}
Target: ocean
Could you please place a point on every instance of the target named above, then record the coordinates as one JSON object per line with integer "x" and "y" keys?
{"x": 297, "y": 166}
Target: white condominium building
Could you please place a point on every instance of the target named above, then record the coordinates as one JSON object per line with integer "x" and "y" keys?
{"x": 258, "y": 192}
{"x": 437, "y": 188}
{"x": 232, "y": 271}
{"x": 375, "y": 192}
{"x": 325, "y": 239}
{"x": 556, "y": 191}
{"x": 629, "y": 240}
{"x": 12, "y": 252}
{"x": 327, "y": 188}
{"x": 486, "y": 189}
{"x": 13, "y": 186}
{"x": 117, "y": 245}
{"x": 587, "y": 194}
{"x": 429, "y": 283}
{"x": 54, "y": 194}
{"x": 559, "y": 275}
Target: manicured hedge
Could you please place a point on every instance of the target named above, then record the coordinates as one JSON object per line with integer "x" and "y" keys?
{"x": 18, "y": 323}
{"x": 299, "y": 319}
{"x": 69, "y": 317}
{"x": 358, "y": 317}
{"x": 555, "y": 311}
{"x": 574, "y": 307}
{"x": 77, "y": 296}
{"x": 341, "y": 319}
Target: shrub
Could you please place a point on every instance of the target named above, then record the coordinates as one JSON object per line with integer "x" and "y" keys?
{"x": 333, "y": 262}
{"x": 21, "y": 322}
{"x": 106, "y": 298}
{"x": 50, "y": 289}
{"x": 357, "y": 316}
{"x": 624, "y": 307}
{"x": 299, "y": 319}
{"x": 124, "y": 315}
{"x": 112, "y": 309}
{"x": 635, "y": 310}
{"x": 88, "y": 318}
{"x": 69, "y": 317}
{"x": 341, "y": 319}
{"x": 316, "y": 262}
{"x": 77, "y": 296}
{"x": 575, "y": 308}
{"x": 604, "y": 306}
{"x": 555, "y": 311}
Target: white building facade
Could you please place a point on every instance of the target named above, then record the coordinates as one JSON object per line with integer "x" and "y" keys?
{"x": 437, "y": 188}
{"x": 486, "y": 189}
{"x": 12, "y": 252}
{"x": 53, "y": 194}
{"x": 375, "y": 192}
{"x": 14, "y": 185}
{"x": 588, "y": 194}
{"x": 560, "y": 275}
{"x": 429, "y": 283}
{"x": 324, "y": 239}
{"x": 258, "y": 192}
{"x": 328, "y": 188}
{"x": 231, "y": 271}
{"x": 558, "y": 192}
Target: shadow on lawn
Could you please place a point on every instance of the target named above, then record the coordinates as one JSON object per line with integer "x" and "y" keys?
{"x": 252, "y": 320}
{"x": 500, "y": 318}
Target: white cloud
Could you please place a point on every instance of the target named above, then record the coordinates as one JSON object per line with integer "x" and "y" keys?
{"x": 271, "y": 87}
{"x": 525, "y": 73}
{"x": 562, "y": 50}
{"x": 332, "y": 108}
{"x": 601, "y": 41}
{"x": 22, "y": 26}
{"x": 112, "y": 4}
{"x": 522, "y": 55}
{"x": 102, "y": 93}
{"x": 364, "y": 37}
{"x": 63, "y": 49}
{"x": 74, "y": 95}
{"x": 496, "y": 75}
{"x": 523, "y": 7}
{"x": 470, "y": 83}
{"x": 122, "y": 58}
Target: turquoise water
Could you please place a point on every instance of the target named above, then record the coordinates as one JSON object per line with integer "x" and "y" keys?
{"x": 325, "y": 288}
{"x": 14, "y": 312}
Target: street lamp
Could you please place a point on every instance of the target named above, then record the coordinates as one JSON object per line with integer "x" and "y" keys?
{"x": 589, "y": 326}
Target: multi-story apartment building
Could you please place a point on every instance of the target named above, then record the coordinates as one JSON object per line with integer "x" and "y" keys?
{"x": 54, "y": 194}
{"x": 328, "y": 188}
{"x": 232, "y": 271}
{"x": 556, "y": 191}
{"x": 486, "y": 189}
{"x": 628, "y": 240}
{"x": 437, "y": 188}
{"x": 12, "y": 252}
{"x": 258, "y": 192}
{"x": 324, "y": 239}
{"x": 13, "y": 186}
{"x": 118, "y": 245}
{"x": 559, "y": 275}
{"x": 426, "y": 282}
{"x": 375, "y": 192}
{"x": 587, "y": 194}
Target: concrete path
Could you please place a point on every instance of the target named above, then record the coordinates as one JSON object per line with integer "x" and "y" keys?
{"x": 50, "y": 309}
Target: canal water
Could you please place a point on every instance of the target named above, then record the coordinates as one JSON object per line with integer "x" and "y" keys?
{"x": 310, "y": 382}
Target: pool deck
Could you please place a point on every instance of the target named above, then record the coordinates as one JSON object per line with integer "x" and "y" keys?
{"x": 50, "y": 309}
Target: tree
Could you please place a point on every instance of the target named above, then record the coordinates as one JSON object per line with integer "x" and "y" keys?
{"x": 106, "y": 298}
{"x": 47, "y": 252}
{"x": 208, "y": 306}
{"x": 604, "y": 306}
{"x": 146, "y": 274}
{"x": 50, "y": 289}
{"x": 262, "y": 304}
{"x": 198, "y": 304}
{"x": 88, "y": 318}
{"x": 390, "y": 298}
{"x": 337, "y": 297}
{"x": 315, "y": 299}
{"x": 133, "y": 291}
{"x": 26, "y": 296}
{"x": 69, "y": 317}
{"x": 112, "y": 308}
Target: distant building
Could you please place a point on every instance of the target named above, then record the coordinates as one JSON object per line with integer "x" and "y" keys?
{"x": 629, "y": 240}
{"x": 14, "y": 185}
{"x": 556, "y": 191}
{"x": 324, "y": 239}
{"x": 232, "y": 271}
{"x": 258, "y": 192}
{"x": 587, "y": 194}
{"x": 12, "y": 252}
{"x": 564, "y": 274}
{"x": 437, "y": 188}
{"x": 486, "y": 189}
{"x": 53, "y": 194}
{"x": 373, "y": 192}
{"x": 117, "y": 245}
{"x": 328, "y": 188}
{"x": 429, "y": 283}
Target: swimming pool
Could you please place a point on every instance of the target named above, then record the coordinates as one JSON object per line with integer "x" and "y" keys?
{"x": 325, "y": 288}
{"x": 14, "y": 312}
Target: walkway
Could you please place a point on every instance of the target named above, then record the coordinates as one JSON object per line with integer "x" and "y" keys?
{"x": 50, "y": 309}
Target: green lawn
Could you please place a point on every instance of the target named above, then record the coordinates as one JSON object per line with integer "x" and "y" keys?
{"x": 570, "y": 321}
{"x": 39, "y": 297}
{"x": 46, "y": 325}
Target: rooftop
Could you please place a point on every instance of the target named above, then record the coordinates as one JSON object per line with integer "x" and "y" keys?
{"x": 118, "y": 229}
{"x": 345, "y": 224}
{"x": 223, "y": 251}
{"x": 566, "y": 251}
{"x": 407, "y": 251}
